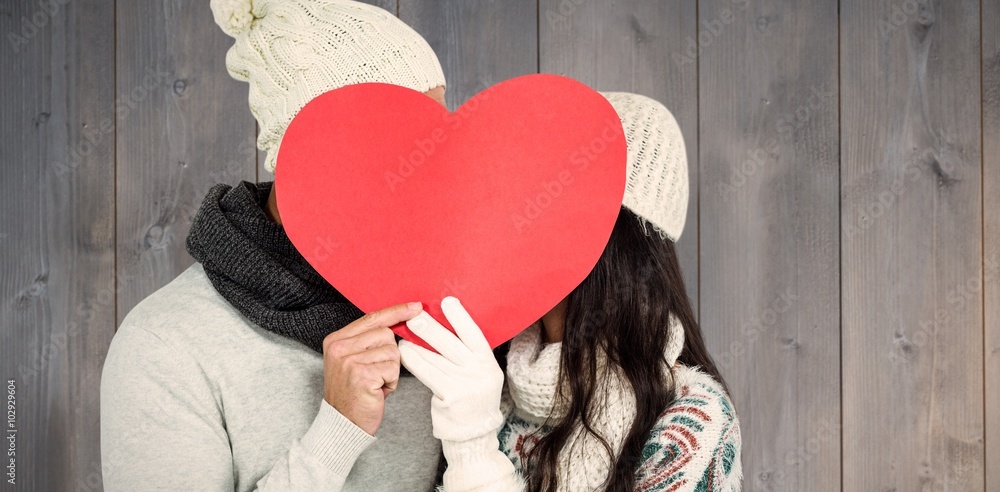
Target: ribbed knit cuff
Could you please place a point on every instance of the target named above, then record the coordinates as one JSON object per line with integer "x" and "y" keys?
{"x": 334, "y": 440}
{"x": 477, "y": 464}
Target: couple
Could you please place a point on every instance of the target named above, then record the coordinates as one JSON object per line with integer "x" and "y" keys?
{"x": 249, "y": 372}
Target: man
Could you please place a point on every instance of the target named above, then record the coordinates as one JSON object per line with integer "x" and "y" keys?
{"x": 240, "y": 374}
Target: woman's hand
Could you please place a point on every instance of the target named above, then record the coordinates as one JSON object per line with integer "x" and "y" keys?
{"x": 464, "y": 375}
{"x": 466, "y": 381}
{"x": 465, "y": 410}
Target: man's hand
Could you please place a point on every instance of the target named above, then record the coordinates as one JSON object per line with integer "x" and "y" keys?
{"x": 361, "y": 365}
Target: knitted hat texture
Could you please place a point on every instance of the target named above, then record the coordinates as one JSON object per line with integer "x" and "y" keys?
{"x": 291, "y": 51}
{"x": 656, "y": 188}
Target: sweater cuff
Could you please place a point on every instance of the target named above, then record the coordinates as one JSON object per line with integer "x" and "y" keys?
{"x": 334, "y": 440}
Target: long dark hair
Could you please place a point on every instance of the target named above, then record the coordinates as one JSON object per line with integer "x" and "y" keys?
{"x": 622, "y": 308}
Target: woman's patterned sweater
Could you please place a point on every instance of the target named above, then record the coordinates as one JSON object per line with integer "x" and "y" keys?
{"x": 694, "y": 446}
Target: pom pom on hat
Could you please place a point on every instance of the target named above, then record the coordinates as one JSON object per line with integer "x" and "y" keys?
{"x": 656, "y": 188}
{"x": 233, "y": 16}
{"x": 291, "y": 51}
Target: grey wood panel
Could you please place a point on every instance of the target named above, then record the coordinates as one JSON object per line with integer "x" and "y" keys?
{"x": 991, "y": 236}
{"x": 390, "y": 5}
{"x": 478, "y": 43}
{"x": 634, "y": 46}
{"x": 770, "y": 265}
{"x": 912, "y": 246}
{"x": 56, "y": 234}
{"x": 189, "y": 127}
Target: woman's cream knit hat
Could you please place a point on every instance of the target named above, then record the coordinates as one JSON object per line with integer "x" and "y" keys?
{"x": 656, "y": 188}
{"x": 291, "y": 51}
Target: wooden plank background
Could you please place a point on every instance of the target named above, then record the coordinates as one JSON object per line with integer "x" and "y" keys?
{"x": 911, "y": 184}
{"x": 842, "y": 243}
{"x": 190, "y": 128}
{"x": 769, "y": 231}
{"x": 57, "y": 234}
{"x": 990, "y": 27}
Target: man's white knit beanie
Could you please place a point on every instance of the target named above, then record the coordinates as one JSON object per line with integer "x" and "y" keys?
{"x": 656, "y": 188}
{"x": 291, "y": 51}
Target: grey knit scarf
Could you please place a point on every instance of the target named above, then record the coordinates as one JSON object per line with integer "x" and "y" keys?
{"x": 253, "y": 265}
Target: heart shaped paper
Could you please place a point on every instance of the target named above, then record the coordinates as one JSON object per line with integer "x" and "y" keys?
{"x": 506, "y": 204}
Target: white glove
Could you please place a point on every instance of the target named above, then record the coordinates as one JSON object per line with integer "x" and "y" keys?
{"x": 464, "y": 375}
{"x": 465, "y": 410}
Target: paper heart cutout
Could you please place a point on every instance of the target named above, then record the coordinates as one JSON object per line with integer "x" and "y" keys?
{"x": 506, "y": 204}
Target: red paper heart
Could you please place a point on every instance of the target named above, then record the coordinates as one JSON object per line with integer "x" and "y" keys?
{"x": 506, "y": 204}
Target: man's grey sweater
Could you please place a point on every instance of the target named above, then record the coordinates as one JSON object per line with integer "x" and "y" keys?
{"x": 195, "y": 397}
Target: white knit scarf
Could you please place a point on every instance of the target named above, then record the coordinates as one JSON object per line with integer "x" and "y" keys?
{"x": 532, "y": 378}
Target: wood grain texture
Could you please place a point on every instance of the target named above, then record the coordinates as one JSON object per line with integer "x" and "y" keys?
{"x": 634, "y": 46}
{"x": 912, "y": 246}
{"x": 390, "y": 5}
{"x": 185, "y": 126}
{"x": 770, "y": 268}
{"x": 56, "y": 234}
{"x": 991, "y": 236}
{"x": 478, "y": 43}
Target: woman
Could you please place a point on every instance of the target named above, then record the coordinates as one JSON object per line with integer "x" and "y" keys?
{"x": 613, "y": 389}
